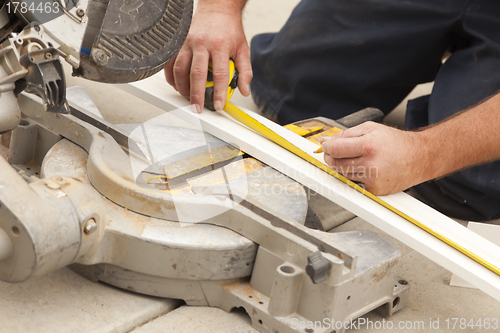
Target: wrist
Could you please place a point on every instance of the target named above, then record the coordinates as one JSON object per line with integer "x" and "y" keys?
{"x": 231, "y": 7}
{"x": 431, "y": 156}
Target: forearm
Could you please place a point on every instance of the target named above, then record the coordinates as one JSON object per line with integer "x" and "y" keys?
{"x": 234, "y": 6}
{"x": 468, "y": 139}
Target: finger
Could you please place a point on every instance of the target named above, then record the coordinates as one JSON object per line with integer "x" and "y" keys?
{"x": 323, "y": 139}
{"x": 181, "y": 69}
{"x": 371, "y": 185}
{"x": 357, "y": 131}
{"x": 330, "y": 161}
{"x": 199, "y": 70}
{"x": 363, "y": 180}
{"x": 169, "y": 73}
{"x": 358, "y": 180}
{"x": 345, "y": 147}
{"x": 245, "y": 71}
{"x": 377, "y": 189}
{"x": 360, "y": 176}
{"x": 347, "y": 166}
{"x": 220, "y": 70}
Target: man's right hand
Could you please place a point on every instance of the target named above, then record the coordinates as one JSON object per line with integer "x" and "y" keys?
{"x": 216, "y": 35}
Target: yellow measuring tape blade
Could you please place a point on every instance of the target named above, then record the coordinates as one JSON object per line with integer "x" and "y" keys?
{"x": 247, "y": 120}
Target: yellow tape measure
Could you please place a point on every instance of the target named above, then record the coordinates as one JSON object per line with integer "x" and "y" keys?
{"x": 209, "y": 86}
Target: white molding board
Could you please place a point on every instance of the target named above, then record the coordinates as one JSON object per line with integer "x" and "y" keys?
{"x": 490, "y": 232}
{"x": 156, "y": 91}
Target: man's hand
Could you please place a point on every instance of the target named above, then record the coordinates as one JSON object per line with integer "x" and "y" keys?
{"x": 386, "y": 160}
{"x": 216, "y": 34}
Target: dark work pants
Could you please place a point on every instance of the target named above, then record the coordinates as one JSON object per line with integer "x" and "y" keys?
{"x": 335, "y": 57}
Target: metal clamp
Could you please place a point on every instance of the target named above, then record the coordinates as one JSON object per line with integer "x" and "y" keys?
{"x": 45, "y": 78}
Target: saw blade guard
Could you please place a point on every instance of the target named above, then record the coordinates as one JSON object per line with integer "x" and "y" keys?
{"x": 127, "y": 41}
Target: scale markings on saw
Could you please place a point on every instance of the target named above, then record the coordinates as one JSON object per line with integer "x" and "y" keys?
{"x": 265, "y": 131}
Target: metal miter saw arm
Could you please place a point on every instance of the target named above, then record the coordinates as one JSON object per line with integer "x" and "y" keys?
{"x": 111, "y": 41}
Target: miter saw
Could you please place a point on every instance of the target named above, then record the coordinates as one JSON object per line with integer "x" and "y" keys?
{"x": 112, "y": 41}
{"x": 161, "y": 208}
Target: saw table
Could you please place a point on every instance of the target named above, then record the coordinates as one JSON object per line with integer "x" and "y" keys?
{"x": 163, "y": 210}
{"x": 167, "y": 210}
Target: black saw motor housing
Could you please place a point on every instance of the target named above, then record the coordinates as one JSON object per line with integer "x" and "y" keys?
{"x": 130, "y": 40}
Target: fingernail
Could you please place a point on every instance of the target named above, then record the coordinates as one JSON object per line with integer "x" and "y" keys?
{"x": 218, "y": 105}
{"x": 195, "y": 108}
{"x": 248, "y": 89}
